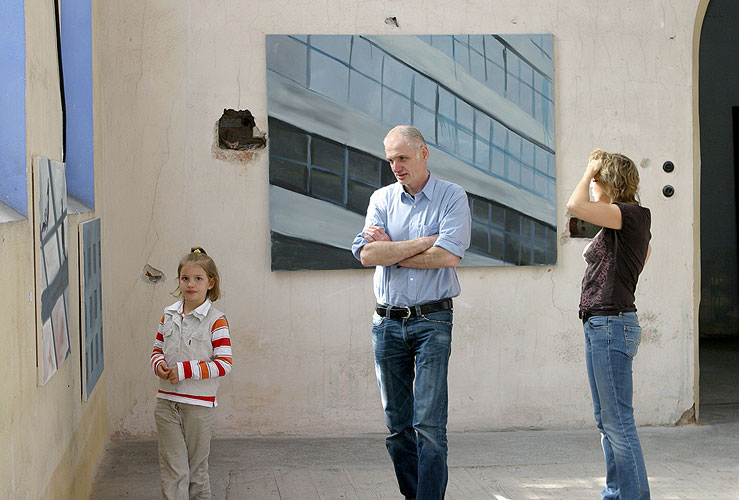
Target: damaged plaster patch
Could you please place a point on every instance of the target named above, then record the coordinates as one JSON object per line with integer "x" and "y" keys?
{"x": 688, "y": 417}
{"x": 237, "y": 137}
{"x": 650, "y": 333}
{"x": 392, "y": 21}
{"x": 152, "y": 275}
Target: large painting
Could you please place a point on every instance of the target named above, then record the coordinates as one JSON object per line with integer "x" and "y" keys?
{"x": 484, "y": 103}
{"x": 53, "y": 278}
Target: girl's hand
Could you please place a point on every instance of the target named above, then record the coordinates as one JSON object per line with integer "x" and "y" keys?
{"x": 163, "y": 371}
{"x": 173, "y": 375}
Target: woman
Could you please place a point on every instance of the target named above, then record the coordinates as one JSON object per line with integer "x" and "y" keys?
{"x": 614, "y": 260}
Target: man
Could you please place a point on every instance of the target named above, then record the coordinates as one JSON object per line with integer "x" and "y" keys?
{"x": 416, "y": 232}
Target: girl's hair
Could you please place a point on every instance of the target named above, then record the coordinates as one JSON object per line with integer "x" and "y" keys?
{"x": 618, "y": 176}
{"x": 198, "y": 257}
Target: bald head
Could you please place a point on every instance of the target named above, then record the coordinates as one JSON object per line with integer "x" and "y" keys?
{"x": 410, "y": 134}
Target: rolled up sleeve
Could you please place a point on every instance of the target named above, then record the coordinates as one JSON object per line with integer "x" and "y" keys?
{"x": 456, "y": 226}
{"x": 374, "y": 217}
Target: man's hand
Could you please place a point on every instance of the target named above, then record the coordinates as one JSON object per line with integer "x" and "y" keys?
{"x": 375, "y": 233}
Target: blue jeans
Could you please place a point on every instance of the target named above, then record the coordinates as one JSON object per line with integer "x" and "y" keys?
{"x": 611, "y": 342}
{"x": 415, "y": 414}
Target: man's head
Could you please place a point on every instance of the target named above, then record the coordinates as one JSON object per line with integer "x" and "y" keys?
{"x": 407, "y": 153}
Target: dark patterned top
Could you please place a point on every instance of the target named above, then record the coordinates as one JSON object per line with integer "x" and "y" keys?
{"x": 615, "y": 258}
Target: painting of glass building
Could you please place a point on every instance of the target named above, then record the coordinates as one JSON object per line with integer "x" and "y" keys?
{"x": 484, "y": 103}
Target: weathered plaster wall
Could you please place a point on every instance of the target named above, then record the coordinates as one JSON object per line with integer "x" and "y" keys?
{"x": 49, "y": 437}
{"x": 303, "y": 362}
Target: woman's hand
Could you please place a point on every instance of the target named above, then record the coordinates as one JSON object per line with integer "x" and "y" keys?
{"x": 593, "y": 167}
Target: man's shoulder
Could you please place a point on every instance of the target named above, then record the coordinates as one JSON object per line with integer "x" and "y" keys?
{"x": 449, "y": 188}
{"x": 385, "y": 192}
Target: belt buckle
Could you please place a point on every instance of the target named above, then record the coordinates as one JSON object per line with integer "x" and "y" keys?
{"x": 407, "y": 312}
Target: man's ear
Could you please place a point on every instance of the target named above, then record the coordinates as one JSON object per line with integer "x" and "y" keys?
{"x": 424, "y": 152}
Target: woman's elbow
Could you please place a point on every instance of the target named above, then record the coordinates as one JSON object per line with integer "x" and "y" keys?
{"x": 575, "y": 209}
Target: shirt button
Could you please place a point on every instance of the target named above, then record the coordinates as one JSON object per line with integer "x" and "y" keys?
{"x": 411, "y": 279}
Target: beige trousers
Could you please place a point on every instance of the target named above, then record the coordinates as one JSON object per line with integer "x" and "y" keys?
{"x": 184, "y": 433}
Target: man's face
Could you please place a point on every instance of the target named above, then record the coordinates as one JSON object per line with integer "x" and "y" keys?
{"x": 408, "y": 163}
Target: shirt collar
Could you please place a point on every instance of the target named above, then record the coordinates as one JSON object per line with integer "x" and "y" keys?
{"x": 427, "y": 190}
{"x": 200, "y": 312}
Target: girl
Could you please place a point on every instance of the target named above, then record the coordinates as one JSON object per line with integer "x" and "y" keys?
{"x": 191, "y": 351}
{"x": 614, "y": 258}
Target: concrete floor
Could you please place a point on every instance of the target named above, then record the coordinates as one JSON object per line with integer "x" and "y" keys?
{"x": 692, "y": 462}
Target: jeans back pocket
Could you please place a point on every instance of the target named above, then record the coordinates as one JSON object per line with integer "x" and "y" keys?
{"x": 632, "y": 335}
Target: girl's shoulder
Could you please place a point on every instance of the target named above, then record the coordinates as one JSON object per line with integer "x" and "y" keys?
{"x": 215, "y": 314}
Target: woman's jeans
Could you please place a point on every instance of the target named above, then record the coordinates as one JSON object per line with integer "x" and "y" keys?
{"x": 611, "y": 342}
{"x": 416, "y": 415}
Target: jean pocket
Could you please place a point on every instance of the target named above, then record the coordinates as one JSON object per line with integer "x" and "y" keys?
{"x": 632, "y": 335}
{"x": 598, "y": 321}
{"x": 377, "y": 319}
{"x": 439, "y": 317}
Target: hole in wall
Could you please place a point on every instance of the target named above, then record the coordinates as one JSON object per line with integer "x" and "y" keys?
{"x": 151, "y": 275}
{"x": 581, "y": 229}
{"x": 237, "y": 130}
{"x": 237, "y": 138}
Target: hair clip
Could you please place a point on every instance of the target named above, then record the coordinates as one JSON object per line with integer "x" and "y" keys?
{"x": 197, "y": 250}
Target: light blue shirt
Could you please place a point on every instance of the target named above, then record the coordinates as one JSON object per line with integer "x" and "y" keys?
{"x": 440, "y": 208}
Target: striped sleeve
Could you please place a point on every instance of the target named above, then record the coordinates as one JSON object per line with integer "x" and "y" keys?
{"x": 157, "y": 354}
{"x": 220, "y": 365}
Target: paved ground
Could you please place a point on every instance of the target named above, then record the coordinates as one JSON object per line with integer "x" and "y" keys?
{"x": 693, "y": 462}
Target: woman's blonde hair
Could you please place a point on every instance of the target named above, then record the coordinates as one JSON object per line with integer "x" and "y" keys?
{"x": 618, "y": 176}
{"x": 198, "y": 257}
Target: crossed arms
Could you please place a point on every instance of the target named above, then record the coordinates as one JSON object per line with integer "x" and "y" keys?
{"x": 418, "y": 253}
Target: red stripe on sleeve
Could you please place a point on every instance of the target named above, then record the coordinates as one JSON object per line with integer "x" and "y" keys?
{"x": 187, "y": 369}
{"x": 222, "y": 342}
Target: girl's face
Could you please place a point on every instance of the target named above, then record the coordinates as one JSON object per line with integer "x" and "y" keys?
{"x": 194, "y": 284}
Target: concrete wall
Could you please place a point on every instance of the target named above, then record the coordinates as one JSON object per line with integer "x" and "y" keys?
{"x": 302, "y": 357}
{"x": 50, "y": 438}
